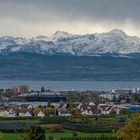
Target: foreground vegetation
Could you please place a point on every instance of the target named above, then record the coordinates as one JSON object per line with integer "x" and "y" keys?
{"x": 66, "y": 133}
{"x": 130, "y": 130}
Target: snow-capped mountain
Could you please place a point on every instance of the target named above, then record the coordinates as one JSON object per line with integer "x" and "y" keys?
{"x": 113, "y": 42}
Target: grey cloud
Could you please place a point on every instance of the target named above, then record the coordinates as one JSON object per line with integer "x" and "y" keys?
{"x": 70, "y": 15}
{"x": 117, "y": 10}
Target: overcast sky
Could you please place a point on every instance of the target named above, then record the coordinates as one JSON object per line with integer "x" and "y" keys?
{"x": 30, "y": 18}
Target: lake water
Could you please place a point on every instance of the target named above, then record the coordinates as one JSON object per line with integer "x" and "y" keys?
{"x": 73, "y": 85}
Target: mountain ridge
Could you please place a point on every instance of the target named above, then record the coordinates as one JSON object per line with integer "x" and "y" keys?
{"x": 113, "y": 42}
{"x": 32, "y": 66}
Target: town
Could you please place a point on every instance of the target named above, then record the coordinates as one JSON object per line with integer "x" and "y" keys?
{"x": 20, "y": 102}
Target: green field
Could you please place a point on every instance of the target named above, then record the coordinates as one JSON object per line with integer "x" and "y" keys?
{"x": 57, "y": 136}
{"x": 66, "y": 133}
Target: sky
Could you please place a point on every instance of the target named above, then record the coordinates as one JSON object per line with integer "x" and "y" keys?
{"x": 30, "y": 18}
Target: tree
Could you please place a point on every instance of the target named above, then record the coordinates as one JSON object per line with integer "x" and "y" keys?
{"x": 36, "y": 111}
{"x": 125, "y": 111}
{"x": 49, "y": 111}
{"x": 56, "y": 128}
{"x": 35, "y": 133}
{"x": 24, "y": 88}
{"x": 42, "y": 89}
{"x": 62, "y": 103}
{"x": 49, "y": 103}
{"x": 1, "y": 136}
{"x": 131, "y": 131}
{"x": 75, "y": 134}
{"x": 75, "y": 111}
{"x": 113, "y": 111}
{"x": 114, "y": 99}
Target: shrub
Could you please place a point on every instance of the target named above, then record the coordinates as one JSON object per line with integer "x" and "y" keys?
{"x": 75, "y": 134}
{"x": 35, "y": 133}
{"x": 1, "y": 136}
{"x": 51, "y": 138}
{"x": 122, "y": 118}
{"x": 56, "y": 128}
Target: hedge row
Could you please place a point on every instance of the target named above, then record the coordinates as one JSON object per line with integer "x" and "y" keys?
{"x": 94, "y": 127}
{"x": 92, "y": 138}
{"x": 20, "y": 118}
{"x": 54, "y": 120}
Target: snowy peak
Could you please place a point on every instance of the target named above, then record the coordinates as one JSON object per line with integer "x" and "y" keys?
{"x": 41, "y": 37}
{"x": 117, "y": 31}
{"x": 61, "y": 35}
{"x": 57, "y": 33}
{"x": 113, "y": 42}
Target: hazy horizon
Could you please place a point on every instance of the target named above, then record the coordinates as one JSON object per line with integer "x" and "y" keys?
{"x": 49, "y": 36}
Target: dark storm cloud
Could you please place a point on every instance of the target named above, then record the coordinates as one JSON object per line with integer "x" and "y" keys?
{"x": 99, "y": 9}
{"x": 77, "y": 16}
{"x": 117, "y": 10}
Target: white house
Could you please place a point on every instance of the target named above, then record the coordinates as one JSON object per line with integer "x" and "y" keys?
{"x": 10, "y": 113}
{"x": 21, "y": 114}
{"x": 87, "y": 112}
{"x": 40, "y": 114}
{"x": 91, "y": 104}
{"x": 79, "y": 106}
{"x": 27, "y": 114}
{"x": 105, "y": 109}
{"x": 30, "y": 107}
{"x": 63, "y": 112}
{"x": 2, "y": 113}
{"x": 24, "y": 112}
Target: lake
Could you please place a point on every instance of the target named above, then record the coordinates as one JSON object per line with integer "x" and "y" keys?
{"x": 73, "y": 85}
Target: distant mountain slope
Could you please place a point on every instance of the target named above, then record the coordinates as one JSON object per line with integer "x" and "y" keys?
{"x": 113, "y": 42}
{"x": 28, "y": 66}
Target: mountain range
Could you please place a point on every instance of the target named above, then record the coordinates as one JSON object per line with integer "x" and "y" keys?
{"x": 106, "y": 56}
{"x": 62, "y": 43}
